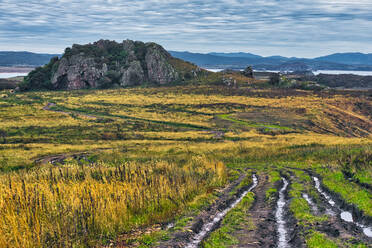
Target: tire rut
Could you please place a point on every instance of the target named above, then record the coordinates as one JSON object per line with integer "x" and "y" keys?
{"x": 336, "y": 226}
{"x": 208, "y": 220}
{"x": 260, "y": 231}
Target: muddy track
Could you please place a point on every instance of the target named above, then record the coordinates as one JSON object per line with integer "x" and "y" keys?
{"x": 333, "y": 205}
{"x": 60, "y": 158}
{"x": 49, "y": 106}
{"x": 348, "y": 222}
{"x": 208, "y": 219}
{"x": 292, "y": 236}
{"x": 261, "y": 218}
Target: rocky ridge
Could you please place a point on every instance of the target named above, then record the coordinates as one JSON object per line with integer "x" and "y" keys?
{"x": 107, "y": 64}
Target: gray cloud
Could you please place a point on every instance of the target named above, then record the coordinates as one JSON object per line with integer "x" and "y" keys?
{"x": 293, "y": 28}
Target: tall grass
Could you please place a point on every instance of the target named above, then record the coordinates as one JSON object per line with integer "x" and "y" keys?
{"x": 85, "y": 205}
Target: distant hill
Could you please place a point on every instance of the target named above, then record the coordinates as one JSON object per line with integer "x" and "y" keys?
{"x": 237, "y": 55}
{"x": 106, "y": 64}
{"x": 348, "y": 58}
{"x": 24, "y": 58}
{"x": 239, "y": 60}
{"x": 345, "y": 61}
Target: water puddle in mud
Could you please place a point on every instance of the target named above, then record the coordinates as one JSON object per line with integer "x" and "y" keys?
{"x": 328, "y": 198}
{"x": 279, "y": 215}
{"x": 169, "y": 226}
{"x": 311, "y": 203}
{"x": 345, "y": 215}
{"x": 206, "y": 229}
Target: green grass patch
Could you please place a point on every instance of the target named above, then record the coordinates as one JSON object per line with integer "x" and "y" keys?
{"x": 223, "y": 237}
{"x": 317, "y": 240}
{"x": 300, "y": 208}
{"x": 351, "y": 192}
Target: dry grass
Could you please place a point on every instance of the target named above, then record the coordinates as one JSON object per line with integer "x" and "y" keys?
{"x": 152, "y": 151}
{"x": 78, "y": 205}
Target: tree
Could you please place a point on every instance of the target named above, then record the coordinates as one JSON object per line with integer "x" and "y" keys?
{"x": 274, "y": 79}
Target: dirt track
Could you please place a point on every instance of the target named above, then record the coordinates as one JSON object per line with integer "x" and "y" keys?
{"x": 259, "y": 230}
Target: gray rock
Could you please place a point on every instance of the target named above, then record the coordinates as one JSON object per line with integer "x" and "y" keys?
{"x": 107, "y": 64}
{"x": 133, "y": 75}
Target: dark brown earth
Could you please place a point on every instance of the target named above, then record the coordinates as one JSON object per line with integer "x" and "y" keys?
{"x": 336, "y": 227}
{"x": 182, "y": 238}
{"x": 260, "y": 229}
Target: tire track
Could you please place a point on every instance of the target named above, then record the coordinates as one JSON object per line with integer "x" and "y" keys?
{"x": 208, "y": 221}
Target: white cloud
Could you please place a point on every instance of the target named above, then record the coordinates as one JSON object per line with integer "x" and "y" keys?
{"x": 265, "y": 27}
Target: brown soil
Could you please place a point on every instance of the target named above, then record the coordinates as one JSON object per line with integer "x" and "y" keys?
{"x": 260, "y": 228}
{"x": 182, "y": 238}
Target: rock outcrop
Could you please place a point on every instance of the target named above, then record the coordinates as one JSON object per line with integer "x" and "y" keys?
{"x": 106, "y": 64}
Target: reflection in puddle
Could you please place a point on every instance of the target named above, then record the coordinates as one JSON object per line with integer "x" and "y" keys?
{"x": 368, "y": 231}
{"x": 347, "y": 216}
{"x": 279, "y": 215}
{"x": 317, "y": 186}
{"x": 310, "y": 202}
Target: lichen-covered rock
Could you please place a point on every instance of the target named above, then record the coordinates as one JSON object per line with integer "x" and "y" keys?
{"x": 105, "y": 64}
{"x": 78, "y": 72}
{"x": 133, "y": 75}
{"x": 158, "y": 69}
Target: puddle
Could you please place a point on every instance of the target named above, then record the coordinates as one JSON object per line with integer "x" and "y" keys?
{"x": 169, "y": 226}
{"x": 367, "y": 231}
{"x": 208, "y": 227}
{"x": 317, "y": 186}
{"x": 345, "y": 215}
{"x": 311, "y": 203}
{"x": 279, "y": 215}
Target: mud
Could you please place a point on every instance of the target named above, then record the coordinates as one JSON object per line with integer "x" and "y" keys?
{"x": 262, "y": 228}
{"x": 313, "y": 206}
{"x": 259, "y": 229}
{"x": 293, "y": 237}
{"x": 349, "y": 221}
{"x": 280, "y": 217}
{"x": 209, "y": 219}
{"x": 351, "y": 177}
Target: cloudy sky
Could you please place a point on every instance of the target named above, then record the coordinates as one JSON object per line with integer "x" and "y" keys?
{"x": 305, "y": 28}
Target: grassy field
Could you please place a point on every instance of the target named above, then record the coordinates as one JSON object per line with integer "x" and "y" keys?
{"x": 87, "y": 168}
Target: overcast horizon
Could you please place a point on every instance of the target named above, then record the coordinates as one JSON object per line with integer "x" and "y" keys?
{"x": 293, "y": 29}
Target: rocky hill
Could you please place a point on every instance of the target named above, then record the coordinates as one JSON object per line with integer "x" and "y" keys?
{"x": 106, "y": 64}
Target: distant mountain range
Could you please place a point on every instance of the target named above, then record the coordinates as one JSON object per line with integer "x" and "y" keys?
{"x": 337, "y": 61}
{"x": 24, "y": 58}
